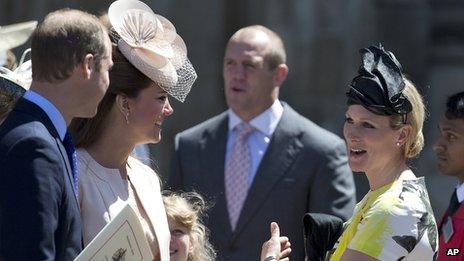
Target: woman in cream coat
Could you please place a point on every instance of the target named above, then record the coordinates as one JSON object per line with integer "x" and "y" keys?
{"x": 150, "y": 63}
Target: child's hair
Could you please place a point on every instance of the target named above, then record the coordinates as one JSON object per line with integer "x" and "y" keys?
{"x": 187, "y": 210}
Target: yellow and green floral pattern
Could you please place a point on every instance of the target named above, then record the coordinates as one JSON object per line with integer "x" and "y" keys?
{"x": 394, "y": 222}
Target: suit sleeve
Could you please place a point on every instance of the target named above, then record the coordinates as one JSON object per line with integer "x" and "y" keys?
{"x": 30, "y": 190}
{"x": 175, "y": 176}
{"x": 333, "y": 189}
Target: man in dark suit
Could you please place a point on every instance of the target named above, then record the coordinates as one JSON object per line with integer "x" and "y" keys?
{"x": 39, "y": 212}
{"x": 261, "y": 161}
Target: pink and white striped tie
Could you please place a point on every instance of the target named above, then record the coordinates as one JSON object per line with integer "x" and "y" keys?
{"x": 237, "y": 171}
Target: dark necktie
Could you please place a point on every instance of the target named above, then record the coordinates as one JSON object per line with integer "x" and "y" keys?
{"x": 452, "y": 208}
{"x": 454, "y": 204}
{"x": 72, "y": 157}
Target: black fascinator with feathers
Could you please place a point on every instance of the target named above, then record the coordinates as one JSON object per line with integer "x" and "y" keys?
{"x": 379, "y": 84}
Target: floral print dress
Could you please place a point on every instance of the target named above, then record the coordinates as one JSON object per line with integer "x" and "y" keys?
{"x": 394, "y": 222}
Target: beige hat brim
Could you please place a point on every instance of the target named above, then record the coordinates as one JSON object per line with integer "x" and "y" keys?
{"x": 14, "y": 35}
{"x": 117, "y": 10}
{"x": 150, "y": 43}
{"x": 154, "y": 66}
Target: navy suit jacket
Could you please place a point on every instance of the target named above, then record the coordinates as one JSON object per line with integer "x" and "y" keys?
{"x": 39, "y": 212}
{"x": 303, "y": 170}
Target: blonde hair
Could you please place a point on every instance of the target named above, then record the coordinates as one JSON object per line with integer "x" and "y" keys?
{"x": 186, "y": 209}
{"x": 415, "y": 141}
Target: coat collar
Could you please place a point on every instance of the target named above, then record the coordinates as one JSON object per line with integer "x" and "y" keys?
{"x": 266, "y": 122}
{"x": 148, "y": 191}
{"x": 212, "y": 157}
{"x": 50, "y": 109}
{"x": 146, "y": 187}
{"x": 25, "y": 106}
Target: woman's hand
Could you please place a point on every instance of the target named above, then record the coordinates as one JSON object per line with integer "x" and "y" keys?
{"x": 277, "y": 247}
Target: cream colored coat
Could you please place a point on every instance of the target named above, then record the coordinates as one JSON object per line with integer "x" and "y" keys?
{"x": 103, "y": 193}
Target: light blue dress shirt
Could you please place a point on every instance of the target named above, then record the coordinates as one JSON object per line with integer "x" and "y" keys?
{"x": 142, "y": 152}
{"x": 52, "y": 112}
{"x": 265, "y": 125}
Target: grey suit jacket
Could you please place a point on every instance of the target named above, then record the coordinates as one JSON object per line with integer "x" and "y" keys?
{"x": 303, "y": 170}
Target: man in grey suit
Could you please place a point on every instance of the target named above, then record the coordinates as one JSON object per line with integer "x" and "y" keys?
{"x": 260, "y": 161}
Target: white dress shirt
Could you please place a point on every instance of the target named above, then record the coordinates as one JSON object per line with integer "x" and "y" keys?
{"x": 52, "y": 112}
{"x": 265, "y": 125}
{"x": 460, "y": 192}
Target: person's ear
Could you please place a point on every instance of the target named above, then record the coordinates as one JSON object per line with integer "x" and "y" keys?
{"x": 87, "y": 67}
{"x": 123, "y": 104}
{"x": 191, "y": 245}
{"x": 404, "y": 133}
{"x": 280, "y": 74}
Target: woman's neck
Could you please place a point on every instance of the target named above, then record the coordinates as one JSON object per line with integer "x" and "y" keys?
{"x": 386, "y": 175}
{"x": 112, "y": 149}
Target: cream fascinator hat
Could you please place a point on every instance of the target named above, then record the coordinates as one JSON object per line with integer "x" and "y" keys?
{"x": 13, "y": 84}
{"x": 14, "y": 35}
{"x": 22, "y": 75}
{"x": 150, "y": 43}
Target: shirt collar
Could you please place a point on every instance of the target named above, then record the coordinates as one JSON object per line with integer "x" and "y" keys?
{"x": 52, "y": 112}
{"x": 460, "y": 192}
{"x": 266, "y": 122}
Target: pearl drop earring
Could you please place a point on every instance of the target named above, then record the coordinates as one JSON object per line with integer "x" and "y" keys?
{"x": 127, "y": 118}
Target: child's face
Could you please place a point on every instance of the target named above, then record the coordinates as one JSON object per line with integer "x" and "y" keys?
{"x": 179, "y": 246}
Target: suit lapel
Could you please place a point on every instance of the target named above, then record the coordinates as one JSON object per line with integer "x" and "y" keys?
{"x": 64, "y": 156}
{"x": 150, "y": 197}
{"x": 25, "y": 106}
{"x": 213, "y": 151}
{"x": 281, "y": 153}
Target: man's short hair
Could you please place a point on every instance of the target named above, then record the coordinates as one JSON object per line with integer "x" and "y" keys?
{"x": 455, "y": 106}
{"x": 275, "y": 53}
{"x": 62, "y": 41}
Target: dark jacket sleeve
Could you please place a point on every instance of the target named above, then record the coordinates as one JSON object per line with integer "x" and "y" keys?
{"x": 321, "y": 232}
{"x": 30, "y": 196}
{"x": 175, "y": 176}
{"x": 333, "y": 189}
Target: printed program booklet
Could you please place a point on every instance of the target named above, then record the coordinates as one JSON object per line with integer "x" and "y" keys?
{"x": 122, "y": 239}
